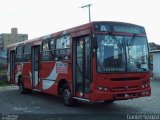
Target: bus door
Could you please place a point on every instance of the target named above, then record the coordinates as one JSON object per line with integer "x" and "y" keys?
{"x": 81, "y": 66}
{"x": 12, "y": 66}
{"x": 35, "y": 66}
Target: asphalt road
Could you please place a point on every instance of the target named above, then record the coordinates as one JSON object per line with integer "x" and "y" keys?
{"x": 38, "y": 105}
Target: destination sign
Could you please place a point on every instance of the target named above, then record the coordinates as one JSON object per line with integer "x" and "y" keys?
{"x": 123, "y": 28}
{"x": 127, "y": 29}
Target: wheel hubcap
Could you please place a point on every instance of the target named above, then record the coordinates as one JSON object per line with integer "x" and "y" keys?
{"x": 66, "y": 95}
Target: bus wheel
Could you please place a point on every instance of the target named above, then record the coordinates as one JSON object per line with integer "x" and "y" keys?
{"x": 109, "y": 101}
{"x": 67, "y": 99}
{"x": 22, "y": 89}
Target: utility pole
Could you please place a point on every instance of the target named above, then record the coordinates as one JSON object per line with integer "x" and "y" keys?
{"x": 89, "y": 5}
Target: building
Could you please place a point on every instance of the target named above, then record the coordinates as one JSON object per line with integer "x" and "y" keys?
{"x": 10, "y": 38}
{"x": 7, "y": 39}
{"x": 153, "y": 46}
{"x": 155, "y": 63}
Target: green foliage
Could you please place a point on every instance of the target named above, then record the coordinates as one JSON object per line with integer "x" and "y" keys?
{"x": 2, "y": 70}
{"x": 2, "y": 84}
{"x": 3, "y": 73}
{"x": 2, "y": 67}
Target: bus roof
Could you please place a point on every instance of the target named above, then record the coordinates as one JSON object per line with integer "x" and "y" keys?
{"x": 70, "y": 31}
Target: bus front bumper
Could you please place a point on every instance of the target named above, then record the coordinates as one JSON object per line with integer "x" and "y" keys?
{"x": 124, "y": 95}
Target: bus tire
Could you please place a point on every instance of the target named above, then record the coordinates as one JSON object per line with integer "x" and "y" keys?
{"x": 67, "y": 98}
{"x": 22, "y": 89}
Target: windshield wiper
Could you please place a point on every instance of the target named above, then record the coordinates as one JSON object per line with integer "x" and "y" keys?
{"x": 132, "y": 40}
{"x": 130, "y": 58}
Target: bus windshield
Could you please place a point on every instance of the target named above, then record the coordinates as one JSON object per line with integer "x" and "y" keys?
{"x": 122, "y": 53}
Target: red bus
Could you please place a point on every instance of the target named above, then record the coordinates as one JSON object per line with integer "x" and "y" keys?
{"x": 98, "y": 61}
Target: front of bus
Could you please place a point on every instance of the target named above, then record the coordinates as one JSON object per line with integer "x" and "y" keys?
{"x": 121, "y": 59}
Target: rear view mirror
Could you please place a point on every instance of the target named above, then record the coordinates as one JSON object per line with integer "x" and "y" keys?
{"x": 95, "y": 44}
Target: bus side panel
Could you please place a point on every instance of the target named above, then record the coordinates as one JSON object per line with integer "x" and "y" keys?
{"x": 26, "y": 73}
{"x": 9, "y": 73}
{"x": 64, "y": 72}
{"x": 18, "y": 71}
{"x": 53, "y": 90}
{"x": 50, "y": 84}
{"x": 47, "y": 74}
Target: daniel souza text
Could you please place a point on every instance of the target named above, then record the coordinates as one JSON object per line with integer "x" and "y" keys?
{"x": 143, "y": 116}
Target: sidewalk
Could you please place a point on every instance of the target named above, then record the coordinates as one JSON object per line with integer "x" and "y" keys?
{"x": 155, "y": 79}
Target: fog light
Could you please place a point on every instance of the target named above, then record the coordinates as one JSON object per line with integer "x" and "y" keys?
{"x": 126, "y": 95}
{"x": 145, "y": 93}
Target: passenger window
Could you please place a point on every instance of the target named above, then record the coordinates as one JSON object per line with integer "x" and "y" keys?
{"x": 62, "y": 51}
{"x": 19, "y": 51}
{"x": 46, "y": 51}
{"x": 52, "y": 42}
{"x": 63, "y": 42}
{"x": 45, "y": 46}
{"x": 27, "y": 53}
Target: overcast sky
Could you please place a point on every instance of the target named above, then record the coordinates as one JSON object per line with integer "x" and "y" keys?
{"x": 40, "y": 17}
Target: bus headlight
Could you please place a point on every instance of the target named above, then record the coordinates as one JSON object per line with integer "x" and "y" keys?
{"x": 143, "y": 86}
{"x": 105, "y": 89}
{"x": 102, "y": 88}
{"x": 99, "y": 88}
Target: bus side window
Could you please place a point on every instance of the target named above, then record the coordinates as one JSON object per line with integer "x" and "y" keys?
{"x": 46, "y": 51}
{"x": 19, "y": 51}
{"x": 62, "y": 51}
{"x": 53, "y": 47}
{"x": 27, "y": 53}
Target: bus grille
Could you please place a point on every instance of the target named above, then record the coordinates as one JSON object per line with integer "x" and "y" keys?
{"x": 125, "y": 79}
{"x": 115, "y": 89}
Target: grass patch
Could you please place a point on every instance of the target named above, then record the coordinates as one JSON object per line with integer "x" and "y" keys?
{"x": 3, "y": 72}
{"x": 3, "y": 84}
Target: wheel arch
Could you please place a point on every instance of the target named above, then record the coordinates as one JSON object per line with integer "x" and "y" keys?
{"x": 61, "y": 84}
